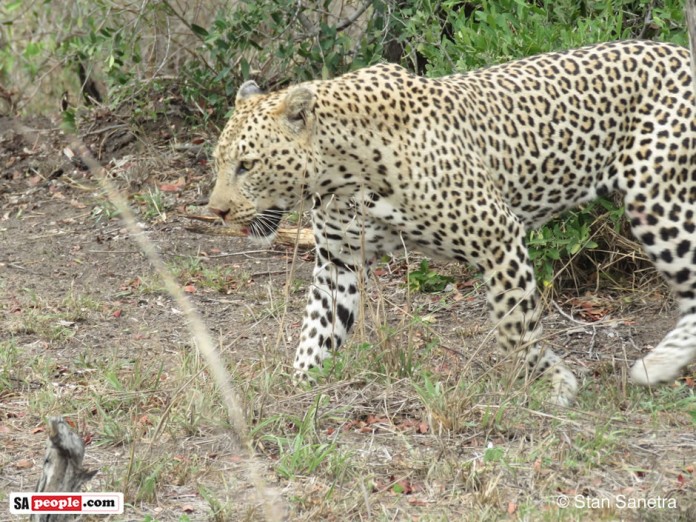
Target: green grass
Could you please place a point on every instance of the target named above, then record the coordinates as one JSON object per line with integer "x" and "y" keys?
{"x": 195, "y": 271}
{"x": 153, "y": 204}
{"x": 412, "y": 416}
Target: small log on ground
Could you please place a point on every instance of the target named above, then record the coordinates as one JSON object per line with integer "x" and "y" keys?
{"x": 62, "y": 467}
{"x": 284, "y": 236}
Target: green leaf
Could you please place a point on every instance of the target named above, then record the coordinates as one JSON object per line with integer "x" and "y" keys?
{"x": 68, "y": 122}
{"x": 246, "y": 68}
{"x": 493, "y": 455}
{"x": 200, "y": 31}
{"x": 32, "y": 49}
{"x": 13, "y": 6}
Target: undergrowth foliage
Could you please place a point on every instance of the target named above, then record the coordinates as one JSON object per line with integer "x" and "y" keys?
{"x": 206, "y": 49}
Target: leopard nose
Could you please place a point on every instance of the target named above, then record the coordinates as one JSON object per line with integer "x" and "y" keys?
{"x": 220, "y": 213}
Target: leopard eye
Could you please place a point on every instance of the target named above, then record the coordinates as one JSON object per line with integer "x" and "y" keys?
{"x": 245, "y": 166}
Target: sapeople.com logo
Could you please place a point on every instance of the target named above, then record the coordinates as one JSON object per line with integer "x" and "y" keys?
{"x": 57, "y": 503}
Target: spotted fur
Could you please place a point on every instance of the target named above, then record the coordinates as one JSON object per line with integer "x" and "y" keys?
{"x": 462, "y": 167}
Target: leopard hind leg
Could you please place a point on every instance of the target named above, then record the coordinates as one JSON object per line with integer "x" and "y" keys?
{"x": 668, "y": 235}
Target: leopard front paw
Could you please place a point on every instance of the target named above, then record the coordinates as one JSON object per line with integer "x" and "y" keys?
{"x": 301, "y": 379}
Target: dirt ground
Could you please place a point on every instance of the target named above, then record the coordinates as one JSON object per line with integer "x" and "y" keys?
{"x": 88, "y": 333}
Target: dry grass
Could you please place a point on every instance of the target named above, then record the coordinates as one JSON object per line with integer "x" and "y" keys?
{"x": 414, "y": 420}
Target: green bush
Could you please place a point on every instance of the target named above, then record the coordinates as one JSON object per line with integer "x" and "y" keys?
{"x": 278, "y": 42}
{"x": 455, "y": 36}
{"x": 426, "y": 280}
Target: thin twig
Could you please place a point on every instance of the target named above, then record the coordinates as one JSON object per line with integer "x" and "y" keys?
{"x": 273, "y": 511}
{"x": 232, "y": 254}
{"x": 691, "y": 27}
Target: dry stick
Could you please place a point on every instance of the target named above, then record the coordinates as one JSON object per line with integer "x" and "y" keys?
{"x": 302, "y": 238}
{"x": 272, "y": 511}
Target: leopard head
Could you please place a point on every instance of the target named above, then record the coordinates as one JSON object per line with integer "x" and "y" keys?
{"x": 263, "y": 159}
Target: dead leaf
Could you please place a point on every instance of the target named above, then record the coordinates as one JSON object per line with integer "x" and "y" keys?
{"x": 39, "y": 429}
{"x": 23, "y": 464}
{"x": 402, "y": 487}
{"x": 511, "y": 508}
{"x": 187, "y": 508}
{"x": 537, "y": 465}
{"x": 117, "y": 313}
{"x": 590, "y": 308}
{"x": 174, "y": 187}
{"x": 190, "y": 289}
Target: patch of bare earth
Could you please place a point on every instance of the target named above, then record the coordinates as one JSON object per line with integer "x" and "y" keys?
{"x": 415, "y": 420}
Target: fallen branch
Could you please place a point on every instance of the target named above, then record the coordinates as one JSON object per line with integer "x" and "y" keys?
{"x": 62, "y": 468}
{"x": 303, "y": 237}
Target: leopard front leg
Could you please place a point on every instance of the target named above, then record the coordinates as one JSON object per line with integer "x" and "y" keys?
{"x": 332, "y": 305}
{"x": 347, "y": 239}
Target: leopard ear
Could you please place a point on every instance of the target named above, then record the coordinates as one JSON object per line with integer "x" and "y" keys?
{"x": 247, "y": 90}
{"x": 299, "y": 103}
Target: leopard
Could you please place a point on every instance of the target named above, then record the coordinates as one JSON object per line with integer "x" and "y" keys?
{"x": 461, "y": 167}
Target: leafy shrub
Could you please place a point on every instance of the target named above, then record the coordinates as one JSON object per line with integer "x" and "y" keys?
{"x": 278, "y": 42}
{"x": 424, "y": 279}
